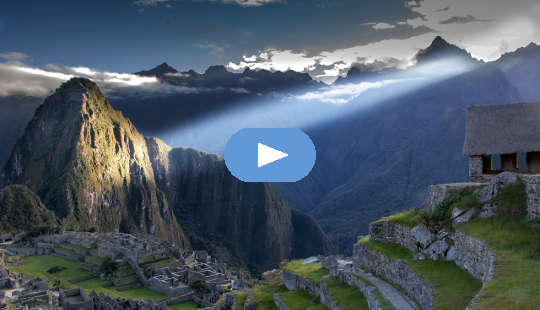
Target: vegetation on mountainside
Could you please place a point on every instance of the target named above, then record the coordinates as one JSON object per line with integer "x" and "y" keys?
{"x": 516, "y": 244}
{"x": 346, "y": 296}
{"x": 312, "y": 271}
{"x": 453, "y": 286}
{"x": 37, "y": 266}
{"x": 22, "y": 210}
{"x": 301, "y": 300}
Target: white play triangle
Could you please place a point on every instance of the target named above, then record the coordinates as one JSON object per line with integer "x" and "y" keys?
{"x": 266, "y": 155}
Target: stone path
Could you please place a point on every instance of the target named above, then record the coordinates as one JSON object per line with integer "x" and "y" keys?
{"x": 396, "y": 298}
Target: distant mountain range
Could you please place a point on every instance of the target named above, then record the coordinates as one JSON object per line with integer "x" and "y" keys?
{"x": 371, "y": 163}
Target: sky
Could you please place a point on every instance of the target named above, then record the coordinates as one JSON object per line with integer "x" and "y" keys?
{"x": 321, "y": 37}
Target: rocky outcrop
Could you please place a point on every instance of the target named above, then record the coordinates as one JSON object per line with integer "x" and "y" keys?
{"x": 91, "y": 166}
{"x": 466, "y": 252}
{"x": 395, "y": 271}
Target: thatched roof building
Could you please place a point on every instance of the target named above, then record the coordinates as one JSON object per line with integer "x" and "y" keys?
{"x": 505, "y": 131}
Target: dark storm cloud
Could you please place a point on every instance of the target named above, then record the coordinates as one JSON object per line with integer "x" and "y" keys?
{"x": 463, "y": 20}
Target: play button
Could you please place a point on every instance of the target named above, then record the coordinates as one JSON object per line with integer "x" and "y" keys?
{"x": 270, "y": 155}
{"x": 266, "y": 155}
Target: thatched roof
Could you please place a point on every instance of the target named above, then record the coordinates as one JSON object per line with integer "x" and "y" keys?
{"x": 503, "y": 129}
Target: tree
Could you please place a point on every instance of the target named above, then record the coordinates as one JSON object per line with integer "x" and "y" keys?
{"x": 108, "y": 266}
{"x": 199, "y": 286}
{"x": 56, "y": 284}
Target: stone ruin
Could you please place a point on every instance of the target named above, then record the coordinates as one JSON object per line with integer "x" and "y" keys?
{"x": 150, "y": 262}
{"x": 25, "y": 293}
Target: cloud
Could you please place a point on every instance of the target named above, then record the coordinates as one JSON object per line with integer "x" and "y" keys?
{"x": 480, "y": 26}
{"x": 340, "y": 94}
{"x": 463, "y": 20}
{"x": 246, "y": 3}
{"x": 19, "y": 78}
{"x": 215, "y": 50}
{"x": 150, "y": 2}
{"x": 13, "y": 56}
{"x": 381, "y": 26}
{"x": 328, "y": 65}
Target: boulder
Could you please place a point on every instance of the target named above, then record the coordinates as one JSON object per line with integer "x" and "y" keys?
{"x": 423, "y": 236}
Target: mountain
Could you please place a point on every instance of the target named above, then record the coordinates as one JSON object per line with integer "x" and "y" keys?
{"x": 441, "y": 49}
{"x": 199, "y": 95}
{"x": 91, "y": 166}
{"x": 21, "y": 209}
{"x": 159, "y": 71}
{"x": 522, "y": 69}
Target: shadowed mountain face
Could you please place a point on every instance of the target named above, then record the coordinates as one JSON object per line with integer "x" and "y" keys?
{"x": 380, "y": 161}
{"x": 91, "y": 166}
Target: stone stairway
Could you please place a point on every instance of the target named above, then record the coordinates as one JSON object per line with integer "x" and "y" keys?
{"x": 390, "y": 293}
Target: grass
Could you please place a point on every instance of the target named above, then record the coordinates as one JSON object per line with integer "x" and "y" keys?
{"x": 37, "y": 266}
{"x": 408, "y": 218}
{"x": 263, "y": 293}
{"x": 241, "y": 297}
{"x": 346, "y": 296}
{"x": 313, "y": 271}
{"x": 454, "y": 287}
{"x": 76, "y": 246}
{"x": 301, "y": 300}
{"x": 516, "y": 244}
{"x": 188, "y": 305}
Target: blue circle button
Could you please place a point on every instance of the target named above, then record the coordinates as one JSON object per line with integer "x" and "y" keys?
{"x": 270, "y": 155}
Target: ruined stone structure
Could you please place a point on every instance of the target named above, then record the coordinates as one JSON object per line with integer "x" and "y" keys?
{"x": 145, "y": 260}
{"x": 24, "y": 292}
{"x": 502, "y": 138}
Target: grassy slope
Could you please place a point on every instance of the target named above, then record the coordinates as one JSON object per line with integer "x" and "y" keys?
{"x": 408, "y": 218}
{"x": 263, "y": 294}
{"x": 313, "y": 271}
{"x": 347, "y": 297}
{"x": 453, "y": 286}
{"x": 301, "y": 300}
{"x": 37, "y": 266}
{"x": 188, "y": 305}
{"x": 516, "y": 244}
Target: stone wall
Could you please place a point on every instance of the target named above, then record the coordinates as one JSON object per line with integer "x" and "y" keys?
{"x": 438, "y": 192}
{"x": 390, "y": 232}
{"x": 343, "y": 270}
{"x": 326, "y": 297}
{"x": 295, "y": 282}
{"x": 532, "y": 183}
{"x": 472, "y": 255}
{"x": 280, "y": 304}
{"x": 395, "y": 271}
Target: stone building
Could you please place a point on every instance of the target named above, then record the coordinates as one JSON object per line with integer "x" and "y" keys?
{"x": 502, "y": 138}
